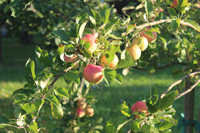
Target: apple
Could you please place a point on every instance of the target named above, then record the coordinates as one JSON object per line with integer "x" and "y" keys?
{"x": 139, "y": 107}
{"x": 91, "y": 39}
{"x": 143, "y": 43}
{"x": 174, "y": 4}
{"x": 111, "y": 64}
{"x": 134, "y": 51}
{"x": 89, "y": 111}
{"x": 80, "y": 113}
{"x": 93, "y": 73}
{"x": 70, "y": 58}
{"x": 81, "y": 103}
{"x": 150, "y": 37}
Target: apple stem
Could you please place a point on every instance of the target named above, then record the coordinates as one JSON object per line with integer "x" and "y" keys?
{"x": 87, "y": 90}
{"x": 81, "y": 86}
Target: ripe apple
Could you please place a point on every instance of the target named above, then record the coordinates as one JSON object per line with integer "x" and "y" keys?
{"x": 139, "y": 107}
{"x": 93, "y": 73}
{"x": 134, "y": 51}
{"x": 112, "y": 64}
{"x": 80, "y": 113}
{"x": 91, "y": 39}
{"x": 70, "y": 58}
{"x": 89, "y": 111}
{"x": 143, "y": 43}
{"x": 174, "y": 4}
{"x": 150, "y": 37}
{"x": 81, "y": 103}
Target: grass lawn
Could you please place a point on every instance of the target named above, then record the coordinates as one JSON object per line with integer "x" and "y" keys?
{"x": 136, "y": 86}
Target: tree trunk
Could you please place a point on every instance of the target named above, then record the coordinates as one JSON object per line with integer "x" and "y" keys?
{"x": 1, "y": 58}
{"x": 199, "y": 116}
{"x": 189, "y": 106}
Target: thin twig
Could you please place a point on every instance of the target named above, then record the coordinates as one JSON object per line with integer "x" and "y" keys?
{"x": 188, "y": 90}
{"x": 81, "y": 86}
{"x": 65, "y": 71}
{"x": 154, "y": 23}
{"x": 87, "y": 90}
{"x": 179, "y": 81}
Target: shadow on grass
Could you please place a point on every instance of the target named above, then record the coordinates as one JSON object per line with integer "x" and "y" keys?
{"x": 6, "y": 110}
{"x": 12, "y": 73}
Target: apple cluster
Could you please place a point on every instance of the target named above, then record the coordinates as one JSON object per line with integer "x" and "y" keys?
{"x": 140, "y": 44}
{"x": 94, "y": 73}
{"x": 84, "y": 109}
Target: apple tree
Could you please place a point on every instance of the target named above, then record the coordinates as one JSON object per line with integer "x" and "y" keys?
{"x": 93, "y": 48}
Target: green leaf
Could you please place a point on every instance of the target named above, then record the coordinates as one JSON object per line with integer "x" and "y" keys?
{"x": 72, "y": 76}
{"x": 135, "y": 127}
{"x": 178, "y": 21}
{"x": 107, "y": 15}
{"x": 28, "y": 108}
{"x": 110, "y": 74}
{"x": 61, "y": 50}
{"x": 93, "y": 21}
{"x": 110, "y": 128}
{"x": 127, "y": 62}
{"x": 167, "y": 100}
{"x": 173, "y": 26}
{"x": 172, "y": 11}
{"x": 148, "y": 7}
{"x": 13, "y": 12}
{"x": 166, "y": 124}
{"x": 82, "y": 28}
{"x": 32, "y": 65}
{"x": 122, "y": 125}
{"x": 56, "y": 108}
{"x": 125, "y": 109}
{"x": 61, "y": 34}
{"x": 33, "y": 127}
{"x": 185, "y": 3}
{"x": 62, "y": 92}
{"x": 27, "y": 92}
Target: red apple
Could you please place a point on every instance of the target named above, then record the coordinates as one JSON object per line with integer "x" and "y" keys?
{"x": 174, "y": 4}
{"x": 91, "y": 39}
{"x": 150, "y": 37}
{"x": 70, "y": 58}
{"x": 80, "y": 113}
{"x": 139, "y": 107}
{"x": 93, "y": 73}
{"x": 89, "y": 111}
{"x": 134, "y": 51}
{"x": 112, "y": 64}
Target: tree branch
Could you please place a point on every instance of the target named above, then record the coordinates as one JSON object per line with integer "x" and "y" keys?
{"x": 188, "y": 90}
{"x": 179, "y": 81}
{"x": 140, "y": 27}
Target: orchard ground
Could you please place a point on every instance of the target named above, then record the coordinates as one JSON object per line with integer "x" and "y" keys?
{"x": 136, "y": 85}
